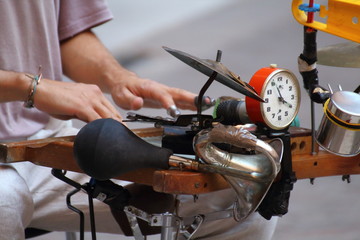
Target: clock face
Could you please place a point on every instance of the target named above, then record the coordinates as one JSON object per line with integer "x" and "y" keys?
{"x": 281, "y": 93}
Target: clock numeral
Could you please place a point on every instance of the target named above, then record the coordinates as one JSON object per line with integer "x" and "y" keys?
{"x": 292, "y": 96}
{"x": 286, "y": 113}
{"x": 280, "y": 79}
{"x": 272, "y": 83}
{"x": 266, "y": 100}
{"x": 290, "y": 88}
{"x": 287, "y": 81}
{"x": 273, "y": 115}
{"x": 269, "y": 92}
{"x": 279, "y": 117}
{"x": 268, "y": 109}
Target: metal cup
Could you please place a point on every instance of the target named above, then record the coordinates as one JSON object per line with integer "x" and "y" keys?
{"x": 339, "y": 130}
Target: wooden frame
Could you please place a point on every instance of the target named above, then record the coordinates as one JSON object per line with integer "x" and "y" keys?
{"x": 58, "y": 153}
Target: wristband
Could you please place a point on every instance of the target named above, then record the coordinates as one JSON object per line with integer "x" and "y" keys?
{"x": 29, "y": 103}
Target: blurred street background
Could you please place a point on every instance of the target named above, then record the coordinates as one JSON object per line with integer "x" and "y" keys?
{"x": 251, "y": 34}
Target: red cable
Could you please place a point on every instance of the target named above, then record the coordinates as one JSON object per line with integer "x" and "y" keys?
{"x": 310, "y": 16}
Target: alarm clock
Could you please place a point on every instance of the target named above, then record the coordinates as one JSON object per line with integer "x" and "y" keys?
{"x": 280, "y": 90}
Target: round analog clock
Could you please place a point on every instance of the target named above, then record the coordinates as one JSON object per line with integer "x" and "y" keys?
{"x": 281, "y": 92}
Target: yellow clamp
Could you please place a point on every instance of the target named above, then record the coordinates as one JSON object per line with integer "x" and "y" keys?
{"x": 339, "y": 17}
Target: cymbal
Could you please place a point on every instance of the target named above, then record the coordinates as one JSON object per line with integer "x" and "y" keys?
{"x": 340, "y": 55}
{"x": 224, "y": 75}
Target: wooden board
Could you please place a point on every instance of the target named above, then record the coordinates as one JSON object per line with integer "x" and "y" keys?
{"x": 58, "y": 153}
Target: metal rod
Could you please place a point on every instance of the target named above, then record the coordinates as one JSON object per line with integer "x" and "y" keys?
{"x": 78, "y": 211}
{"x": 207, "y": 84}
{"x": 91, "y": 211}
{"x": 218, "y": 55}
{"x": 205, "y": 87}
{"x": 167, "y": 228}
{"x": 60, "y": 174}
{"x": 313, "y": 152}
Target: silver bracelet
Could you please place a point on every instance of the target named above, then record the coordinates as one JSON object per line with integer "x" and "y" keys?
{"x": 29, "y": 103}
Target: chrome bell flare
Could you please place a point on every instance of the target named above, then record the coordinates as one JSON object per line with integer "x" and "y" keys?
{"x": 255, "y": 172}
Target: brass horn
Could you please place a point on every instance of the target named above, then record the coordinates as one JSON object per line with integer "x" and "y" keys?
{"x": 105, "y": 149}
{"x": 257, "y": 171}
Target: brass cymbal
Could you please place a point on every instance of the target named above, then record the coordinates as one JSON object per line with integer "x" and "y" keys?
{"x": 224, "y": 75}
{"x": 340, "y": 55}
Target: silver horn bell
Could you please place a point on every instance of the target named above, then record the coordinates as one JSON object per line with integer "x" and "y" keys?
{"x": 255, "y": 172}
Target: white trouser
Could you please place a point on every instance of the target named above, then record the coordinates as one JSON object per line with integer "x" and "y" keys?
{"x": 31, "y": 197}
{"x": 253, "y": 227}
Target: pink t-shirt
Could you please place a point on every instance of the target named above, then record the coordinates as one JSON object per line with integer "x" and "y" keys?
{"x": 30, "y": 34}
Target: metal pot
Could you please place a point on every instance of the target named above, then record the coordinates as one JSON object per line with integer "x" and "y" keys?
{"x": 339, "y": 130}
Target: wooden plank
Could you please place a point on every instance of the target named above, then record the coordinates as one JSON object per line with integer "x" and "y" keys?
{"x": 324, "y": 164}
{"x": 55, "y": 154}
{"x": 16, "y": 151}
{"x": 182, "y": 182}
{"x": 58, "y": 153}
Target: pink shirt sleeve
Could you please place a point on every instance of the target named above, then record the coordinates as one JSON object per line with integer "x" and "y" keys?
{"x": 76, "y": 16}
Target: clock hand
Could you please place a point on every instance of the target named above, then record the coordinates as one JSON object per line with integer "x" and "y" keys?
{"x": 281, "y": 98}
{"x": 285, "y": 102}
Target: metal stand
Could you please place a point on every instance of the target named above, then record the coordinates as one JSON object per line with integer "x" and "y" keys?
{"x": 203, "y": 90}
{"x": 171, "y": 225}
{"x": 61, "y": 175}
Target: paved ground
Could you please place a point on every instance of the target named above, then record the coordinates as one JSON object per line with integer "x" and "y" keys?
{"x": 252, "y": 34}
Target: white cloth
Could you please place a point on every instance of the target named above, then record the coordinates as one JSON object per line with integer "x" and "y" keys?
{"x": 254, "y": 227}
{"x": 16, "y": 204}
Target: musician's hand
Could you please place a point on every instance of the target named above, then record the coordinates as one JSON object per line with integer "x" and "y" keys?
{"x": 66, "y": 100}
{"x": 134, "y": 93}
{"x": 127, "y": 89}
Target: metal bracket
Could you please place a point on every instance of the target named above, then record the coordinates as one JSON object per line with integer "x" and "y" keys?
{"x": 166, "y": 221}
{"x": 171, "y": 225}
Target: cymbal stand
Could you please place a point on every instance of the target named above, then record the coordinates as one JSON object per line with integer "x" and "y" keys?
{"x": 203, "y": 90}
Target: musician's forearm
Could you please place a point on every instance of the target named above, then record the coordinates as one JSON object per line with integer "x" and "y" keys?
{"x": 14, "y": 86}
{"x": 85, "y": 59}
